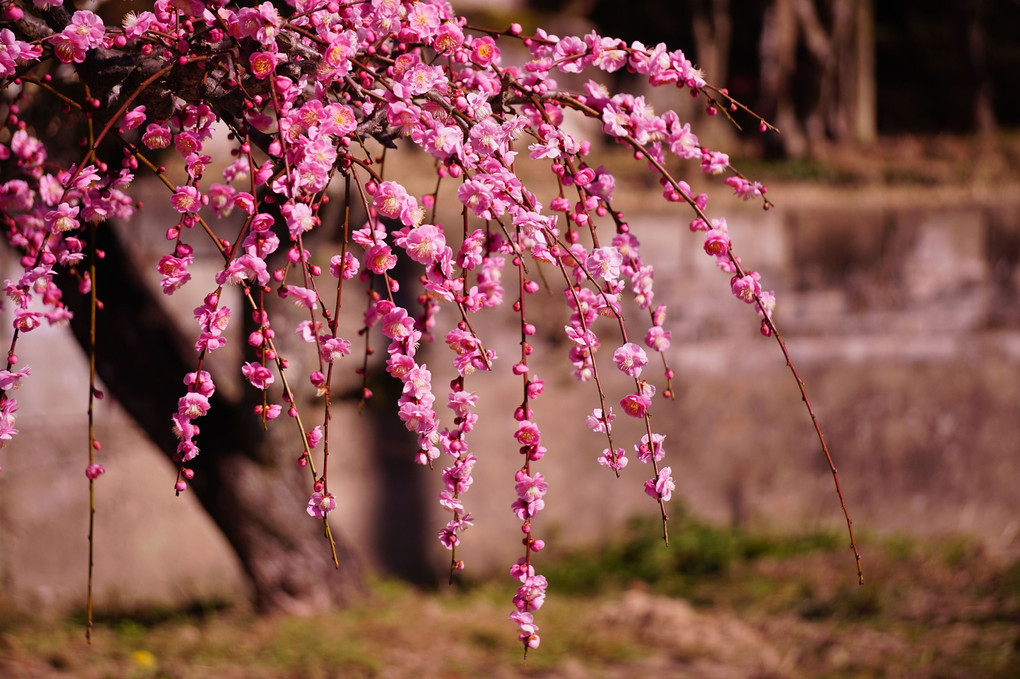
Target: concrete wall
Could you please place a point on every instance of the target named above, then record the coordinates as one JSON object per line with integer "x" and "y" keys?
{"x": 902, "y": 312}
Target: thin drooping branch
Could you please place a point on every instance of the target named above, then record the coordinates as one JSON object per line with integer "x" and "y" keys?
{"x": 257, "y": 504}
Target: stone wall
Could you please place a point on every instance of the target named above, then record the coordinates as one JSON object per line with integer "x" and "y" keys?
{"x": 902, "y": 311}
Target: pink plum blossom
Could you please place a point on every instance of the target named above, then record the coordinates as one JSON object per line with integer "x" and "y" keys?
{"x": 484, "y": 51}
{"x": 657, "y": 338}
{"x": 615, "y": 460}
{"x": 648, "y": 453}
{"x": 258, "y": 375}
{"x": 186, "y": 199}
{"x": 635, "y": 405}
{"x": 334, "y": 348}
{"x": 192, "y": 405}
{"x": 600, "y": 422}
{"x": 605, "y": 263}
{"x": 662, "y": 486}
{"x": 531, "y": 594}
{"x": 747, "y": 287}
{"x": 528, "y": 434}
{"x": 320, "y": 504}
{"x": 630, "y": 359}
{"x": 12, "y": 380}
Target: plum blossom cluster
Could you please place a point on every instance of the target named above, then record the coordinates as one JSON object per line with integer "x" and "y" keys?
{"x": 310, "y": 93}
{"x": 746, "y": 286}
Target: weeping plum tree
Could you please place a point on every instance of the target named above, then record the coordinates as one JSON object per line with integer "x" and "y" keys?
{"x": 313, "y": 98}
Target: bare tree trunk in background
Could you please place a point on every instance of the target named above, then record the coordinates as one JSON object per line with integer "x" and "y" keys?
{"x": 841, "y": 65}
{"x": 984, "y": 112}
{"x": 254, "y": 493}
{"x": 847, "y": 97}
{"x": 778, "y": 53}
{"x": 860, "y": 86}
{"x": 712, "y": 26}
{"x": 828, "y": 49}
{"x": 713, "y": 31}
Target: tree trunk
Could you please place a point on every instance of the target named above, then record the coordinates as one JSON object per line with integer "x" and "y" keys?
{"x": 255, "y": 498}
{"x": 777, "y": 57}
{"x": 864, "y": 102}
{"x": 836, "y": 100}
{"x": 712, "y": 27}
{"x": 984, "y": 111}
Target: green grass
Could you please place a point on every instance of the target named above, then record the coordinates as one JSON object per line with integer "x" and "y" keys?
{"x": 931, "y": 608}
{"x": 699, "y": 554}
{"x": 803, "y": 170}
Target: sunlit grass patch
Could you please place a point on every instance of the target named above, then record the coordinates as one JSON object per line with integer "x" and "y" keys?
{"x": 718, "y": 598}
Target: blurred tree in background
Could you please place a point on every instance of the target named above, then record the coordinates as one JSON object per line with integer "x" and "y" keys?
{"x": 841, "y": 71}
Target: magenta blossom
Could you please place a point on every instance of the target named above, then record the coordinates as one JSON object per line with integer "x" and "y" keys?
{"x": 334, "y": 348}
{"x": 599, "y": 421}
{"x": 186, "y": 199}
{"x": 192, "y": 405}
{"x": 662, "y": 486}
{"x": 607, "y": 459}
{"x": 528, "y": 631}
{"x": 484, "y": 51}
{"x": 320, "y": 504}
{"x": 605, "y": 263}
{"x": 530, "y": 491}
{"x": 258, "y": 375}
{"x": 584, "y": 338}
{"x": 636, "y": 405}
{"x": 12, "y": 380}
{"x": 528, "y": 434}
{"x": 630, "y": 359}
{"x": 8, "y": 407}
{"x": 657, "y": 338}
{"x": 531, "y": 594}
{"x": 747, "y": 287}
{"x": 647, "y": 453}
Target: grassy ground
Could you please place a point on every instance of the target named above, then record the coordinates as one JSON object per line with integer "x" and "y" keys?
{"x": 716, "y": 603}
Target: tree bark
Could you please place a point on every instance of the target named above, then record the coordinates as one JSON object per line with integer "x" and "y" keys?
{"x": 712, "y": 27}
{"x": 835, "y": 99}
{"x": 254, "y": 496}
{"x": 863, "y": 99}
{"x": 777, "y": 57}
{"x": 984, "y": 110}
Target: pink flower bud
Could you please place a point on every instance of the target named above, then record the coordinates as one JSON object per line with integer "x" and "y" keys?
{"x": 584, "y": 177}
